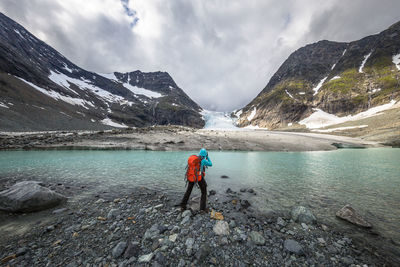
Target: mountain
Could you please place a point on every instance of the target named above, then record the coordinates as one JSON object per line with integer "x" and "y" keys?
{"x": 42, "y": 90}
{"x": 327, "y": 81}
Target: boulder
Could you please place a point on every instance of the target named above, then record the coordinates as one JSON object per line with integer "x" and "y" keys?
{"x": 29, "y": 196}
{"x": 302, "y": 214}
{"x": 349, "y": 214}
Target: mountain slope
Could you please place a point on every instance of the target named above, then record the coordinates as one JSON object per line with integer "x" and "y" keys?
{"x": 42, "y": 90}
{"x": 339, "y": 79}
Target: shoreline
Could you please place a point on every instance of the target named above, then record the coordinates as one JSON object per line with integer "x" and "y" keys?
{"x": 87, "y": 228}
{"x": 175, "y": 138}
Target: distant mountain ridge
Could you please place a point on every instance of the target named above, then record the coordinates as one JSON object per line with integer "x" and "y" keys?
{"x": 42, "y": 90}
{"x": 336, "y": 77}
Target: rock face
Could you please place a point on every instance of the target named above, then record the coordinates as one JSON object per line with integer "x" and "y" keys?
{"x": 302, "y": 214}
{"x": 29, "y": 196}
{"x": 42, "y": 90}
{"x": 349, "y": 214}
{"x": 338, "y": 78}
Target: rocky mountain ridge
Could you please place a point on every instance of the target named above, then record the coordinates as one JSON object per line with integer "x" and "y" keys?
{"x": 42, "y": 90}
{"x": 337, "y": 79}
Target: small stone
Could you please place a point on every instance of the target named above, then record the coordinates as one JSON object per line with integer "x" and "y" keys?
{"x": 229, "y": 191}
{"x": 257, "y": 238}
{"x": 324, "y": 227}
{"x": 281, "y": 222}
{"x": 189, "y": 243}
{"x": 232, "y": 224}
{"x": 304, "y": 226}
{"x": 132, "y": 250}
{"x": 221, "y": 228}
{"x": 118, "y": 249}
{"x": 347, "y": 260}
{"x": 185, "y": 220}
{"x": 181, "y": 263}
{"x": 159, "y": 206}
{"x": 160, "y": 258}
{"x": 243, "y": 190}
{"x": 59, "y": 210}
{"x": 293, "y": 246}
{"x": 321, "y": 241}
{"x": 250, "y": 190}
{"x": 50, "y": 228}
{"x": 117, "y": 200}
{"x": 146, "y": 258}
{"x": 202, "y": 253}
{"x": 186, "y": 213}
{"x": 173, "y": 237}
{"x": 224, "y": 176}
{"x": 112, "y": 214}
{"x": 22, "y": 251}
{"x": 212, "y": 192}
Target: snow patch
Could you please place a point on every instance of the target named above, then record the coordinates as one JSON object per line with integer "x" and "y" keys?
{"x": 302, "y": 93}
{"x": 3, "y": 105}
{"x": 252, "y": 114}
{"x": 334, "y": 65}
{"x": 290, "y": 124}
{"x": 67, "y": 68}
{"x": 170, "y": 87}
{"x": 142, "y": 91}
{"x": 319, "y": 85}
{"x": 321, "y": 118}
{"x": 17, "y": 31}
{"x": 396, "y": 61}
{"x": 344, "y": 52}
{"x": 360, "y": 70}
{"x": 335, "y": 78}
{"x": 340, "y": 129}
{"x": 238, "y": 113}
{"x": 109, "y": 122}
{"x": 57, "y": 96}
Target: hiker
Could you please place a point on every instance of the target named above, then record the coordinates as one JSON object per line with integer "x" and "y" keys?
{"x": 195, "y": 174}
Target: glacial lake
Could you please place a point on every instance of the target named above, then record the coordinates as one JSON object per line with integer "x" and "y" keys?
{"x": 368, "y": 179}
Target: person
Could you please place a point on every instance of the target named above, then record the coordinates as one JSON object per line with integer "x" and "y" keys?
{"x": 194, "y": 176}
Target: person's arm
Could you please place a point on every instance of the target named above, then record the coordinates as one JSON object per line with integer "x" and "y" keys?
{"x": 206, "y": 162}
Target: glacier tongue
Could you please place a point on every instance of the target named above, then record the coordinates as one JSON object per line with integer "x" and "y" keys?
{"x": 218, "y": 121}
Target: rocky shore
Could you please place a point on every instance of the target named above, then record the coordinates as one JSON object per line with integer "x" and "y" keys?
{"x": 163, "y": 138}
{"x": 142, "y": 227}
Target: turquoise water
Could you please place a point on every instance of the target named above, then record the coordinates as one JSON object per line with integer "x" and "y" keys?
{"x": 368, "y": 179}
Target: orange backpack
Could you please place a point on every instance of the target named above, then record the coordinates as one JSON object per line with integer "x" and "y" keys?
{"x": 193, "y": 173}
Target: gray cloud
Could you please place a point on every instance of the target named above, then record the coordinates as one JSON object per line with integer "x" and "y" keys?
{"x": 222, "y": 53}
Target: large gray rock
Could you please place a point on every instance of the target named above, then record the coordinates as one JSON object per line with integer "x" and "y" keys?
{"x": 293, "y": 247}
{"x": 302, "y": 214}
{"x": 118, "y": 249}
{"x": 349, "y": 214}
{"x": 29, "y": 196}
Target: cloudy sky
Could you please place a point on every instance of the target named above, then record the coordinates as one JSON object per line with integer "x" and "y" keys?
{"x": 221, "y": 52}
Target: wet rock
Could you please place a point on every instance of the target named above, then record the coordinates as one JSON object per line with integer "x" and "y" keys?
{"x": 257, "y": 238}
{"x": 351, "y": 215}
{"x": 293, "y": 246}
{"x": 118, "y": 249}
{"x": 224, "y": 176}
{"x": 229, "y": 191}
{"x": 132, "y": 250}
{"x": 221, "y": 228}
{"x": 302, "y": 214}
{"x": 212, "y": 192}
{"x": 245, "y": 203}
{"x": 243, "y": 190}
{"x": 29, "y": 196}
{"x": 250, "y": 190}
{"x": 146, "y": 258}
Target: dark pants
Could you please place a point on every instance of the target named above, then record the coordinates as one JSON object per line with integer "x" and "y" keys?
{"x": 203, "y": 188}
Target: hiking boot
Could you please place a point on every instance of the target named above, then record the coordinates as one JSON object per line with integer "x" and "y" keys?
{"x": 205, "y": 211}
{"x": 183, "y": 208}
